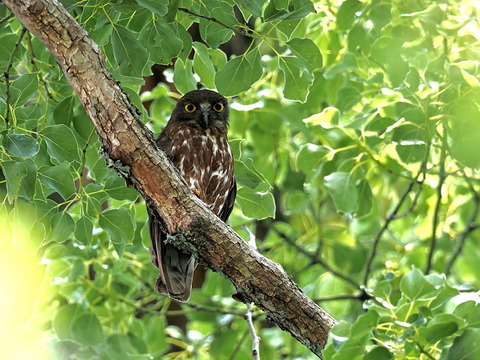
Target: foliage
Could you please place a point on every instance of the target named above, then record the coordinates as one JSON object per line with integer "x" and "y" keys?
{"x": 354, "y": 126}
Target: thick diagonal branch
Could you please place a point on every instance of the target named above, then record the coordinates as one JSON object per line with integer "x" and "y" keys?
{"x": 125, "y": 138}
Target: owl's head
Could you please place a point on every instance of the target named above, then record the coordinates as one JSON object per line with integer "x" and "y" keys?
{"x": 203, "y": 108}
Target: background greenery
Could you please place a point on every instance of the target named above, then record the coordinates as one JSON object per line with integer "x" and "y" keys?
{"x": 355, "y": 126}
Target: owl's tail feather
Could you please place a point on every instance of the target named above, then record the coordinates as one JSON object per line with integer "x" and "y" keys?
{"x": 176, "y": 267}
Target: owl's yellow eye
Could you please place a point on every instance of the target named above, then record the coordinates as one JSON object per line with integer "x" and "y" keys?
{"x": 218, "y": 107}
{"x": 190, "y": 108}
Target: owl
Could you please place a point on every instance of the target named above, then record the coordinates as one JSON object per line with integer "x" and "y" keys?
{"x": 195, "y": 139}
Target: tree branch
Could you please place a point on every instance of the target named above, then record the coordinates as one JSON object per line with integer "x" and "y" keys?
{"x": 131, "y": 146}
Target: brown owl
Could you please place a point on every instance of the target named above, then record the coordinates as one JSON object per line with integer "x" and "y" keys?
{"x": 195, "y": 139}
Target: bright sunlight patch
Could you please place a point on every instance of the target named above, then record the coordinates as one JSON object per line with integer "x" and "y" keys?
{"x": 21, "y": 293}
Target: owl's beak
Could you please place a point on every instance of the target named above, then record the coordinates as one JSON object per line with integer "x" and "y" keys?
{"x": 204, "y": 115}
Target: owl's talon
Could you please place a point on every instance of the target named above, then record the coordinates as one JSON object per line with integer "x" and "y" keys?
{"x": 196, "y": 192}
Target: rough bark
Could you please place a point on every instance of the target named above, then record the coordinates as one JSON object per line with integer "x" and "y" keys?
{"x": 130, "y": 145}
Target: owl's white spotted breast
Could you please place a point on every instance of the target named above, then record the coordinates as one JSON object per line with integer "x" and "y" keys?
{"x": 204, "y": 160}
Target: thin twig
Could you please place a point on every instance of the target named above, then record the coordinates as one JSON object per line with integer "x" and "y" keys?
{"x": 376, "y": 241}
{"x": 423, "y": 351}
{"x": 358, "y": 296}
{"x": 394, "y": 214}
{"x": 471, "y": 226}
{"x": 252, "y": 240}
{"x": 6, "y": 75}
{"x": 239, "y": 344}
{"x": 241, "y": 28}
{"x": 35, "y": 68}
{"x": 441, "y": 180}
{"x": 414, "y": 202}
{"x": 249, "y": 315}
{"x": 317, "y": 260}
{"x": 255, "y": 338}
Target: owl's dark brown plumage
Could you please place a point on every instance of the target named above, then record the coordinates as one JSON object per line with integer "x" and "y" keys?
{"x": 195, "y": 139}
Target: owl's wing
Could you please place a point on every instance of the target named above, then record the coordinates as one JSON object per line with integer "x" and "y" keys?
{"x": 176, "y": 267}
{"x": 229, "y": 202}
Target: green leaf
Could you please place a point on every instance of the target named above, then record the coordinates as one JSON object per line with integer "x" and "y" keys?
{"x": 346, "y": 14}
{"x": 61, "y": 143}
{"x": 297, "y": 9}
{"x": 186, "y": 39}
{"x": 202, "y": 64}
{"x": 118, "y": 223}
{"x": 115, "y": 187}
{"x": 183, "y": 76}
{"x": 14, "y": 173}
{"x": 359, "y": 336}
{"x": 156, "y": 324}
{"x": 130, "y": 55}
{"x": 307, "y": 50}
{"x": 469, "y": 311}
{"x": 256, "y": 204}
{"x": 58, "y": 178}
{"x": 365, "y": 198}
{"x": 120, "y": 344}
{"x": 347, "y": 63}
{"x": 61, "y": 227}
{"x": 7, "y": 44}
{"x": 465, "y": 146}
{"x": 27, "y": 233}
{"x": 437, "y": 331}
{"x": 309, "y": 156}
{"x": 164, "y": 42}
{"x": 378, "y": 353}
{"x": 327, "y": 119}
{"x": 24, "y": 88}
{"x": 83, "y": 230}
{"x": 20, "y": 145}
{"x": 343, "y": 191}
{"x": 254, "y": 6}
{"x": 414, "y": 285}
{"x": 63, "y": 113}
{"x": 64, "y": 318}
{"x": 87, "y": 330}
{"x": 246, "y": 174}
{"x": 239, "y": 74}
{"x": 347, "y": 97}
{"x": 159, "y": 7}
{"x": 212, "y": 32}
{"x": 29, "y": 182}
{"x": 298, "y": 79}
{"x": 465, "y": 347}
